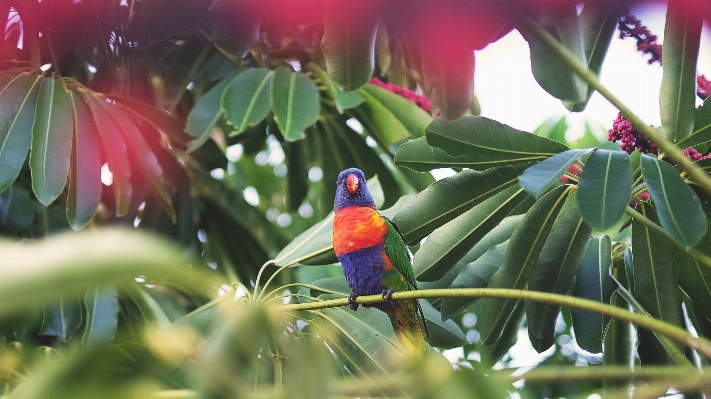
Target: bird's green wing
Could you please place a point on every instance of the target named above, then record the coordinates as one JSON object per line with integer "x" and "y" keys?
{"x": 399, "y": 255}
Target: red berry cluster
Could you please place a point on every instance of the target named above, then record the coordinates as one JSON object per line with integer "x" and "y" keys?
{"x": 421, "y": 101}
{"x": 703, "y": 90}
{"x": 629, "y": 137}
{"x": 694, "y": 155}
{"x": 630, "y": 26}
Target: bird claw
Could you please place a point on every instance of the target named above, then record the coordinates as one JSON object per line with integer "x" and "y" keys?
{"x": 352, "y": 301}
{"x": 388, "y": 296}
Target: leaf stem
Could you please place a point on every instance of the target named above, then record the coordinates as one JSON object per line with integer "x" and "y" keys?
{"x": 621, "y": 373}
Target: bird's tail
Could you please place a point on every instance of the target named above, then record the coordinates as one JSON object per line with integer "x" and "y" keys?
{"x": 410, "y": 327}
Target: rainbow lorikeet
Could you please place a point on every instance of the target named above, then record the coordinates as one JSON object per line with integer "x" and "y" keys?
{"x": 375, "y": 259}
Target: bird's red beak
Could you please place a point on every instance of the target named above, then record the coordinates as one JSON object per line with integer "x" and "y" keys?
{"x": 352, "y": 183}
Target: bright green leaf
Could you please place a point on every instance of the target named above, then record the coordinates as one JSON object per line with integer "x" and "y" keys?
{"x": 540, "y": 177}
{"x": 246, "y": 98}
{"x": 295, "y": 101}
{"x": 605, "y": 188}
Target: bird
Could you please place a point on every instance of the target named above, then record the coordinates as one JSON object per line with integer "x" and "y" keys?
{"x": 375, "y": 259}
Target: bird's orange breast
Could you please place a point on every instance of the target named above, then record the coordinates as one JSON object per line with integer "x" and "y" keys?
{"x": 356, "y": 228}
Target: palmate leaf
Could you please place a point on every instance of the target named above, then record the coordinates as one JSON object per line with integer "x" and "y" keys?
{"x": 295, "y": 102}
{"x": 540, "y": 177}
{"x": 246, "y": 98}
{"x": 521, "y": 256}
{"x": 605, "y": 188}
{"x": 679, "y": 207}
{"x": 206, "y": 113}
{"x": 682, "y": 36}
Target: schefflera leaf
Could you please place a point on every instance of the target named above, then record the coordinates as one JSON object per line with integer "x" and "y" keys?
{"x": 206, "y": 113}
{"x": 18, "y": 97}
{"x": 521, "y": 256}
{"x": 342, "y": 99}
{"x": 246, "y": 98}
{"x": 679, "y": 208}
{"x": 540, "y": 177}
{"x": 593, "y": 282}
{"x": 555, "y": 271}
{"x": 695, "y": 277}
{"x": 295, "y": 101}
{"x": 51, "y": 141}
{"x": 605, "y": 188}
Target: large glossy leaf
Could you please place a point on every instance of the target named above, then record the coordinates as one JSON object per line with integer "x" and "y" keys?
{"x": 348, "y": 43}
{"x": 682, "y": 36}
{"x": 448, "y": 198}
{"x": 16, "y": 209}
{"x": 295, "y": 102}
{"x": 702, "y": 127}
{"x": 550, "y": 71}
{"x": 246, "y": 98}
{"x": 102, "y": 309}
{"x": 116, "y": 152}
{"x": 62, "y": 318}
{"x": 489, "y": 140}
{"x": 555, "y": 272}
{"x": 491, "y": 354}
{"x": 449, "y": 243}
{"x": 84, "y": 193}
{"x": 391, "y": 117}
{"x": 593, "y": 282}
{"x": 655, "y": 280}
{"x": 679, "y": 207}
{"x": 343, "y": 100}
{"x": 206, "y": 113}
{"x": 235, "y": 25}
{"x": 605, "y": 188}
{"x": 540, "y": 177}
{"x": 598, "y": 21}
{"x": 521, "y": 256}
{"x": 51, "y": 141}
{"x": 476, "y": 274}
{"x": 695, "y": 278}
{"x": 17, "y": 114}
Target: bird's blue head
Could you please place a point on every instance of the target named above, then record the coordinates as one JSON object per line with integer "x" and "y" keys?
{"x": 351, "y": 190}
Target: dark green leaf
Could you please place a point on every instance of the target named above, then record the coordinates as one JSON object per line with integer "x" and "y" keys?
{"x": 51, "y": 141}
{"x": 448, "y": 198}
{"x": 539, "y": 178}
{"x": 555, "y": 272}
{"x": 619, "y": 343}
{"x": 343, "y": 100}
{"x": 491, "y": 354}
{"x": 702, "y": 127}
{"x": 448, "y": 244}
{"x": 102, "y": 309}
{"x": 521, "y": 256}
{"x": 205, "y": 114}
{"x": 442, "y": 334}
{"x": 348, "y": 43}
{"x": 695, "y": 278}
{"x": 116, "y": 152}
{"x": 679, "y": 207}
{"x": 164, "y": 121}
{"x": 605, "y": 188}
{"x": 295, "y": 102}
{"x": 476, "y": 274}
{"x": 17, "y": 114}
{"x": 593, "y": 282}
{"x": 682, "y": 36}
{"x": 655, "y": 278}
{"x": 16, "y": 210}
{"x": 235, "y": 25}
{"x": 550, "y": 71}
{"x": 246, "y": 98}
{"x": 61, "y": 318}
{"x": 84, "y": 194}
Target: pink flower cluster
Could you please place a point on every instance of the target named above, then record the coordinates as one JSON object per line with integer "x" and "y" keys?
{"x": 694, "y": 155}
{"x": 421, "y": 101}
{"x": 629, "y": 137}
{"x": 630, "y": 26}
{"x": 703, "y": 89}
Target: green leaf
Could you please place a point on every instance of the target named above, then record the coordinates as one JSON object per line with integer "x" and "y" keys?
{"x": 16, "y": 209}
{"x": 61, "y": 319}
{"x": 521, "y": 256}
{"x": 605, "y": 188}
{"x": 489, "y": 140}
{"x": 593, "y": 282}
{"x": 555, "y": 272}
{"x": 246, "y": 98}
{"x": 235, "y": 25}
{"x": 51, "y": 141}
{"x": 679, "y": 207}
{"x": 540, "y": 177}
{"x": 682, "y": 36}
{"x": 619, "y": 343}
{"x": 448, "y": 198}
{"x": 295, "y": 102}
{"x": 449, "y": 243}
{"x": 162, "y": 120}
{"x": 598, "y": 21}
{"x": 702, "y": 127}
{"x": 476, "y": 274}
{"x": 548, "y": 69}
{"x": 491, "y": 354}
{"x": 391, "y": 117}
{"x": 348, "y": 43}
{"x": 84, "y": 193}
{"x": 116, "y": 152}
{"x": 206, "y": 113}
{"x": 655, "y": 279}
{"x": 343, "y": 100}
{"x": 442, "y": 334}
{"x": 17, "y": 114}
{"x": 694, "y": 277}
{"x": 102, "y": 309}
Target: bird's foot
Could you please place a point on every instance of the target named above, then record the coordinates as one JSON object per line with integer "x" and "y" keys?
{"x": 388, "y": 296}
{"x": 352, "y": 301}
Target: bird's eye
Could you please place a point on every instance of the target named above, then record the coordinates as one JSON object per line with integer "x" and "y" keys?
{"x": 352, "y": 183}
